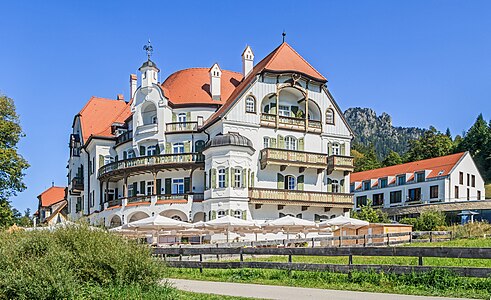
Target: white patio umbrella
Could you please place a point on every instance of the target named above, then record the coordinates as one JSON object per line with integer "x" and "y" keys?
{"x": 290, "y": 224}
{"x": 343, "y": 221}
{"x": 157, "y": 222}
{"x": 229, "y": 223}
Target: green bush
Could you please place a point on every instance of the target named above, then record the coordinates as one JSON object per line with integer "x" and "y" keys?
{"x": 471, "y": 230}
{"x": 427, "y": 221}
{"x": 69, "y": 263}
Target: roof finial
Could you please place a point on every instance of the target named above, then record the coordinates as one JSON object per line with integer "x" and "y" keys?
{"x": 148, "y": 48}
{"x": 283, "y": 34}
{"x": 52, "y": 183}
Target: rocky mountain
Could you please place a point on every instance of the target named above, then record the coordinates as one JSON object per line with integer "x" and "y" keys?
{"x": 378, "y": 130}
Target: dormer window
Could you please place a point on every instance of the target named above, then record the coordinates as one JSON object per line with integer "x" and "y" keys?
{"x": 383, "y": 182}
{"x": 420, "y": 176}
{"x": 401, "y": 179}
{"x": 366, "y": 185}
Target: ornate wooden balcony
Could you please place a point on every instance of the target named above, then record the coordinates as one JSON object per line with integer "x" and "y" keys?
{"x": 115, "y": 202}
{"x": 298, "y": 124}
{"x": 304, "y": 198}
{"x": 116, "y": 170}
{"x": 77, "y": 185}
{"x": 180, "y": 127}
{"x": 291, "y": 158}
{"x": 340, "y": 163}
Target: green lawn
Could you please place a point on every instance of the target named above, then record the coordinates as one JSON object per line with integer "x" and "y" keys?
{"x": 436, "y": 283}
{"x": 488, "y": 190}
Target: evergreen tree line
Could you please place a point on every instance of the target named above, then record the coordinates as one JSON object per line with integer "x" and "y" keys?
{"x": 433, "y": 143}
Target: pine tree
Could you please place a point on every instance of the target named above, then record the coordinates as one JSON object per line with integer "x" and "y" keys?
{"x": 393, "y": 158}
{"x": 432, "y": 144}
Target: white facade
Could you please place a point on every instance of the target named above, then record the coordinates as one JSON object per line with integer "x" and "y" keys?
{"x": 281, "y": 146}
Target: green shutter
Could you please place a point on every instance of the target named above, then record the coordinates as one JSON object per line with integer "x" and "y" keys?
{"x": 142, "y": 150}
{"x": 159, "y": 186}
{"x": 188, "y": 116}
{"x": 168, "y": 186}
{"x": 244, "y": 215}
{"x": 300, "y": 180}
{"x": 251, "y": 184}
{"x": 329, "y": 148}
{"x": 341, "y": 182}
{"x": 174, "y": 117}
{"x": 157, "y": 149}
{"x": 281, "y": 142}
{"x": 266, "y": 109}
{"x": 168, "y": 148}
{"x": 272, "y": 143}
{"x": 214, "y": 178}
{"x": 232, "y": 176}
{"x": 101, "y": 160}
{"x": 187, "y": 147}
{"x": 187, "y": 185}
{"x": 280, "y": 181}
{"x": 206, "y": 182}
{"x": 227, "y": 170}
{"x": 294, "y": 111}
{"x": 125, "y": 155}
{"x": 300, "y": 144}
{"x": 116, "y": 158}
{"x": 213, "y": 214}
{"x": 244, "y": 178}
{"x": 272, "y": 110}
{"x": 142, "y": 187}
{"x": 249, "y": 178}
{"x": 343, "y": 149}
{"x": 329, "y": 185}
{"x": 135, "y": 188}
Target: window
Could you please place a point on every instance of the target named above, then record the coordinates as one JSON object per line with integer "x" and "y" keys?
{"x": 433, "y": 191}
{"x": 395, "y": 197}
{"x": 468, "y": 179}
{"x": 478, "y": 195}
{"x": 284, "y": 110}
{"x": 330, "y": 116}
{"x": 131, "y": 192}
{"x": 221, "y": 178}
{"x": 151, "y": 150}
{"x": 238, "y": 214}
{"x": 401, "y": 180}
{"x": 131, "y": 154}
{"x": 468, "y": 194}
{"x": 473, "y": 182}
{"x": 420, "y": 177}
{"x": 149, "y": 188}
{"x": 335, "y": 186}
{"x": 414, "y": 195}
{"x": 352, "y": 188}
{"x": 336, "y": 149}
{"x": 361, "y": 201}
{"x": 154, "y": 119}
{"x": 383, "y": 182}
{"x": 290, "y": 182}
{"x": 461, "y": 177}
{"x": 456, "y": 192}
{"x": 290, "y": 143}
{"x": 221, "y": 213}
{"x": 366, "y": 185}
{"x": 378, "y": 199}
{"x": 238, "y": 178}
{"x": 178, "y": 148}
{"x": 181, "y": 118}
{"x": 178, "y": 186}
{"x": 266, "y": 142}
{"x": 250, "y": 105}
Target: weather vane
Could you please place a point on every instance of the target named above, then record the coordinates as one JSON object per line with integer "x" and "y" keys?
{"x": 283, "y": 34}
{"x": 148, "y": 48}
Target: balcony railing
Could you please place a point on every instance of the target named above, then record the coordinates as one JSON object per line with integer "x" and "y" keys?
{"x": 115, "y": 202}
{"x": 293, "y": 158}
{"x": 124, "y": 137}
{"x": 139, "y": 163}
{"x": 285, "y": 197}
{"x": 172, "y": 196}
{"x": 340, "y": 163}
{"x": 269, "y": 120}
{"x": 77, "y": 184}
{"x": 139, "y": 199}
{"x": 181, "y": 127}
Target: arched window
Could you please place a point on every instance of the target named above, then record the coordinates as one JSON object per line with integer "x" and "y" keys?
{"x": 221, "y": 213}
{"x": 221, "y": 178}
{"x": 176, "y": 217}
{"x": 178, "y": 148}
{"x": 290, "y": 182}
{"x": 238, "y": 214}
{"x": 290, "y": 143}
{"x": 199, "y": 145}
{"x": 149, "y": 114}
{"x": 335, "y": 186}
{"x": 238, "y": 178}
{"x": 336, "y": 149}
{"x": 250, "y": 104}
{"x": 329, "y": 116}
{"x": 181, "y": 118}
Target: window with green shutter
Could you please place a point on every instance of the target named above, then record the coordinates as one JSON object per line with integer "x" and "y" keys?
{"x": 294, "y": 110}
{"x": 272, "y": 108}
{"x": 142, "y": 187}
{"x": 125, "y": 155}
{"x": 301, "y": 144}
{"x": 213, "y": 178}
{"x": 251, "y": 184}
{"x": 188, "y": 116}
{"x": 213, "y": 214}
{"x": 174, "y": 117}
{"x": 116, "y": 158}
{"x": 329, "y": 185}
{"x": 101, "y": 160}
{"x": 272, "y": 143}
{"x": 343, "y": 149}
{"x": 187, "y": 147}
{"x": 300, "y": 181}
{"x": 168, "y": 148}
{"x": 244, "y": 215}
{"x": 329, "y": 148}
{"x": 281, "y": 142}
{"x": 135, "y": 189}
{"x": 187, "y": 185}
{"x": 205, "y": 181}
{"x": 142, "y": 150}
{"x": 227, "y": 177}
{"x": 157, "y": 149}
{"x": 168, "y": 186}
{"x": 244, "y": 176}
{"x": 159, "y": 186}
{"x": 280, "y": 181}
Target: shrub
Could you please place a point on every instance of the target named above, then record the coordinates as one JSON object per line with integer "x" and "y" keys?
{"x": 65, "y": 263}
{"x": 471, "y": 230}
{"x": 427, "y": 221}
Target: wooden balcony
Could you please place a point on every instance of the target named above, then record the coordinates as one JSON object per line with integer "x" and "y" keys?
{"x": 117, "y": 170}
{"x": 291, "y": 158}
{"x": 181, "y": 127}
{"x": 340, "y": 163}
{"x": 77, "y": 185}
{"x": 115, "y": 202}
{"x": 304, "y": 198}
{"x": 291, "y": 123}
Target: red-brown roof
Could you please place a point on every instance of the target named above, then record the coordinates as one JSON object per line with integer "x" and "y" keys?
{"x": 52, "y": 195}
{"x": 99, "y": 114}
{"x": 436, "y": 165}
{"x": 192, "y": 86}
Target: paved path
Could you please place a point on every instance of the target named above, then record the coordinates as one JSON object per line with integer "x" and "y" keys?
{"x": 285, "y": 292}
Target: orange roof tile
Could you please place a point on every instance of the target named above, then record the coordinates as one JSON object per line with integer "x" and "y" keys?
{"x": 192, "y": 86}
{"x": 52, "y": 195}
{"x": 99, "y": 114}
{"x": 436, "y": 165}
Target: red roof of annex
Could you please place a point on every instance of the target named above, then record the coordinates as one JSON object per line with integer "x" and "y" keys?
{"x": 52, "y": 195}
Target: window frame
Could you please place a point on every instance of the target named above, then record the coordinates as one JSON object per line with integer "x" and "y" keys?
{"x": 432, "y": 191}
{"x": 177, "y": 146}
{"x": 336, "y": 148}
{"x": 291, "y": 143}
{"x": 149, "y": 188}
{"x": 392, "y": 197}
{"x": 182, "y": 117}
{"x": 283, "y": 109}
{"x": 221, "y": 178}
{"x": 248, "y": 104}
{"x": 176, "y": 185}
{"x": 151, "y": 150}
{"x": 237, "y": 178}
{"x": 330, "y": 113}
{"x": 289, "y": 180}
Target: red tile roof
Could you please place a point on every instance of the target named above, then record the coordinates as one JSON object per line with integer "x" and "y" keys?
{"x": 52, "y": 195}
{"x": 436, "y": 165}
{"x": 192, "y": 86}
{"x": 97, "y": 116}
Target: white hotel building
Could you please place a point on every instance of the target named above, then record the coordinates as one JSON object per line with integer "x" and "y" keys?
{"x": 266, "y": 142}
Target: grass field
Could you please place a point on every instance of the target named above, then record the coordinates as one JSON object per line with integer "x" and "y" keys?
{"x": 436, "y": 283}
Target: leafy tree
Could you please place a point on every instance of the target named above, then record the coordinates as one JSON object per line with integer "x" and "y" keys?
{"x": 427, "y": 221}
{"x": 447, "y": 133}
{"x": 366, "y": 158}
{"x": 24, "y": 220}
{"x": 432, "y": 144}
{"x": 369, "y": 214}
{"x": 393, "y": 158}
{"x": 12, "y": 164}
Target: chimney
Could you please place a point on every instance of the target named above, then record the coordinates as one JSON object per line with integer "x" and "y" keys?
{"x": 133, "y": 80}
{"x": 215, "y": 78}
{"x": 120, "y": 97}
{"x": 247, "y": 61}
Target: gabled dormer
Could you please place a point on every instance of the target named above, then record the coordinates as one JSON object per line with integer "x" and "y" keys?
{"x": 215, "y": 80}
{"x": 247, "y": 61}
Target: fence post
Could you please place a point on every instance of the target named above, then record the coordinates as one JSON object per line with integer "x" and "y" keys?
{"x": 180, "y": 253}
{"x": 290, "y": 262}
{"x": 340, "y": 239}
{"x": 410, "y": 237}
{"x": 218, "y": 256}
{"x": 201, "y": 263}
{"x": 420, "y": 261}
{"x": 241, "y": 256}
{"x": 388, "y": 240}
{"x": 165, "y": 257}
{"x": 364, "y": 240}
{"x": 313, "y": 242}
{"x": 431, "y": 236}
{"x": 350, "y": 259}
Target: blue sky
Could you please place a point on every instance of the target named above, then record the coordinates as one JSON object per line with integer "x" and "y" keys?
{"x": 423, "y": 62}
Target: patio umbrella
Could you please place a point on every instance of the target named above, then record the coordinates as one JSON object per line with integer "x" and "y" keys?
{"x": 290, "y": 224}
{"x": 343, "y": 221}
{"x": 158, "y": 223}
{"x": 229, "y": 223}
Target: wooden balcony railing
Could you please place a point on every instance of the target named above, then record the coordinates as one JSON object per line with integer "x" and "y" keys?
{"x": 292, "y": 158}
{"x": 143, "y": 162}
{"x": 292, "y": 197}
{"x": 139, "y": 199}
{"x": 77, "y": 184}
{"x": 124, "y": 137}
{"x": 172, "y": 196}
{"x": 181, "y": 127}
{"x": 269, "y": 120}
{"x": 115, "y": 202}
{"x": 340, "y": 163}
